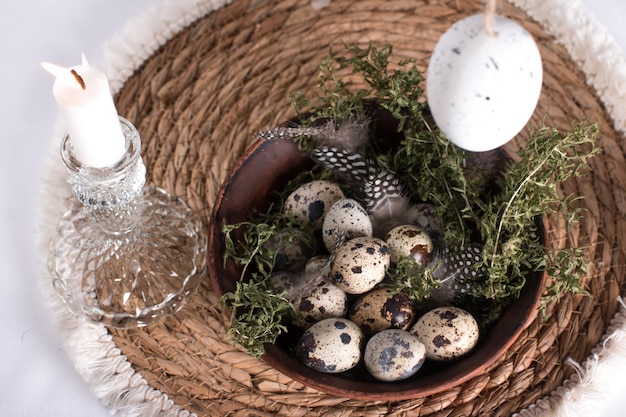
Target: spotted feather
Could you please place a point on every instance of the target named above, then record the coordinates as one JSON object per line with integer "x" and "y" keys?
{"x": 381, "y": 189}
{"x": 456, "y": 268}
{"x": 348, "y": 134}
{"x": 285, "y": 133}
{"x": 352, "y": 166}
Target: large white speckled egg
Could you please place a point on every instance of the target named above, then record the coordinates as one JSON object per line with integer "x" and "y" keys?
{"x": 409, "y": 240}
{"x": 447, "y": 332}
{"x": 310, "y": 202}
{"x": 394, "y": 355}
{"x": 359, "y": 264}
{"x": 347, "y": 218}
{"x": 483, "y": 89}
{"x": 331, "y": 345}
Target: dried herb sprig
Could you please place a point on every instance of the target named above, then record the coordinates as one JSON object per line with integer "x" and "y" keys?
{"x": 434, "y": 170}
{"x": 257, "y": 311}
{"x": 430, "y": 166}
{"x": 529, "y": 189}
{"x": 258, "y": 314}
{"x": 411, "y": 278}
{"x": 252, "y": 250}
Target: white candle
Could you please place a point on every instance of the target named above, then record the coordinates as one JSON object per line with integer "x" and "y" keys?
{"x": 91, "y": 120}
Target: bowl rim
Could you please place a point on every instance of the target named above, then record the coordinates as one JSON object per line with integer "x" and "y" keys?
{"x": 491, "y": 347}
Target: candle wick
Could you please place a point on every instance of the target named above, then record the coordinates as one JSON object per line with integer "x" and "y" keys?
{"x": 79, "y": 79}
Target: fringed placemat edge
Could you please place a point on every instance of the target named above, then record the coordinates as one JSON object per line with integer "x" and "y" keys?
{"x": 126, "y": 393}
{"x": 590, "y": 46}
{"x": 586, "y": 393}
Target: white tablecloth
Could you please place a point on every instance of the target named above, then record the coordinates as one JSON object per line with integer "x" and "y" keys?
{"x": 36, "y": 377}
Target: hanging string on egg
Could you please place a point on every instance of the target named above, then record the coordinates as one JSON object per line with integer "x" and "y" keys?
{"x": 484, "y": 80}
{"x": 490, "y": 12}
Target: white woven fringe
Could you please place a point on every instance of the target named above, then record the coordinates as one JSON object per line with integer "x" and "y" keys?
{"x": 600, "y": 376}
{"x": 591, "y": 47}
{"x": 126, "y": 393}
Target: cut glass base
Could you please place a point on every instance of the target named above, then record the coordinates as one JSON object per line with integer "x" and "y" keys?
{"x": 133, "y": 276}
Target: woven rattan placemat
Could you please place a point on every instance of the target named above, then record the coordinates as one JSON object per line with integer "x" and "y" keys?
{"x": 198, "y": 99}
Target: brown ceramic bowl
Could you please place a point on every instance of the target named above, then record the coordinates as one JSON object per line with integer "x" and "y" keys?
{"x": 268, "y": 166}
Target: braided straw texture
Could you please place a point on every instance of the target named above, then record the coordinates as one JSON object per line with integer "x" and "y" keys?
{"x": 197, "y": 102}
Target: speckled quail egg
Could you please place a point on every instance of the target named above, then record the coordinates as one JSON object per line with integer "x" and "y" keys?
{"x": 331, "y": 345}
{"x": 447, "y": 332}
{"x": 381, "y": 309}
{"x": 281, "y": 282}
{"x": 293, "y": 248}
{"x": 409, "y": 240}
{"x": 483, "y": 88}
{"x": 326, "y": 300}
{"x": 310, "y": 202}
{"x": 359, "y": 264}
{"x": 315, "y": 263}
{"x": 394, "y": 355}
{"x": 346, "y": 217}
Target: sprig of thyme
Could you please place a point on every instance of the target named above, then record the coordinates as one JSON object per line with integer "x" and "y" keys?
{"x": 429, "y": 164}
{"x": 257, "y": 311}
{"x": 433, "y": 170}
{"x": 410, "y": 277}
{"x": 529, "y": 189}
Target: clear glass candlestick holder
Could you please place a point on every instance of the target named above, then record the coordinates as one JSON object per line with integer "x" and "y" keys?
{"x": 125, "y": 254}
